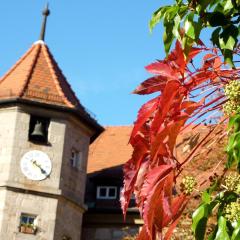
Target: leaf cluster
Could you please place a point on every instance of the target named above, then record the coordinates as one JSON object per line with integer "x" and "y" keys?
{"x": 185, "y": 20}
{"x": 233, "y": 146}
{"x": 217, "y": 205}
{"x": 181, "y": 100}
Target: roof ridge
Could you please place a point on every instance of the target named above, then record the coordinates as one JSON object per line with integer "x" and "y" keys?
{"x": 53, "y": 73}
{"x": 32, "y": 66}
{"x": 57, "y": 80}
{"x": 16, "y": 64}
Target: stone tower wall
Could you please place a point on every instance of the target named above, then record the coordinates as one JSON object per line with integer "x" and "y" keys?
{"x": 56, "y": 201}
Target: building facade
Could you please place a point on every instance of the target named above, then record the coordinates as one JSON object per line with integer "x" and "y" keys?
{"x": 44, "y": 137}
{"x": 104, "y": 219}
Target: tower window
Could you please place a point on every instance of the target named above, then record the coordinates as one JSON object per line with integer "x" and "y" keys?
{"x": 38, "y": 129}
{"x": 28, "y": 223}
{"x": 76, "y": 159}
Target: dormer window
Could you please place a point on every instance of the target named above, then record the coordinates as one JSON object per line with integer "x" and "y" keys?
{"x": 38, "y": 129}
{"x": 106, "y": 192}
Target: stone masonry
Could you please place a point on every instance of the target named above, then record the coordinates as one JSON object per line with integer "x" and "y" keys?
{"x": 57, "y": 201}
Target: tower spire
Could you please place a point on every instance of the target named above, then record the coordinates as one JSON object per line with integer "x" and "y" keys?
{"x": 45, "y": 14}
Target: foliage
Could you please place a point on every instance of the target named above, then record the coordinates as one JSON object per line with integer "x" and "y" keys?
{"x": 192, "y": 16}
{"x": 232, "y": 91}
{"x": 186, "y": 96}
{"x": 224, "y": 200}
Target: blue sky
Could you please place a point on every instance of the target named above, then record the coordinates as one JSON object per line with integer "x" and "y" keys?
{"x": 101, "y": 46}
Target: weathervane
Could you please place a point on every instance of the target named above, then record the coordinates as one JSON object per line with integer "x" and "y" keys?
{"x": 45, "y": 14}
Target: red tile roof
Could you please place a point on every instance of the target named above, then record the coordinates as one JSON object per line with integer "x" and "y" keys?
{"x": 110, "y": 149}
{"x": 37, "y": 77}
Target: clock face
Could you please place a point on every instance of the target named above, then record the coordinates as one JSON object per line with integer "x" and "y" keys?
{"x": 36, "y": 165}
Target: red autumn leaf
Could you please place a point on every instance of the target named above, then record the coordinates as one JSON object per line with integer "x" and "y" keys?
{"x": 143, "y": 235}
{"x": 167, "y": 202}
{"x": 153, "y": 176}
{"x": 194, "y": 52}
{"x": 131, "y": 170}
{"x": 199, "y": 78}
{"x": 151, "y": 85}
{"x": 165, "y": 102}
{"x": 190, "y": 106}
{"x": 142, "y": 173}
{"x": 177, "y": 59}
{"x": 151, "y": 190}
{"x": 179, "y": 209}
{"x": 217, "y": 63}
{"x": 177, "y": 204}
{"x": 162, "y": 69}
{"x": 144, "y": 113}
{"x": 158, "y": 146}
{"x": 151, "y": 172}
{"x": 209, "y": 56}
{"x": 174, "y": 129}
{"x": 170, "y": 91}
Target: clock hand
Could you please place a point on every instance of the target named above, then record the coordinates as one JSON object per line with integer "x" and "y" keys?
{"x": 39, "y": 166}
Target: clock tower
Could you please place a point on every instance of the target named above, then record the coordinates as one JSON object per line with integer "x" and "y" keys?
{"x": 44, "y": 137}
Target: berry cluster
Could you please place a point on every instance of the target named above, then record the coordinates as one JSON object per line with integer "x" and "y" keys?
{"x": 231, "y": 107}
{"x": 232, "y": 91}
{"x": 187, "y": 185}
{"x": 232, "y": 183}
{"x": 232, "y": 211}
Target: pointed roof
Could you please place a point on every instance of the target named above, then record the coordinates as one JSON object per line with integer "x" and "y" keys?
{"x": 37, "y": 77}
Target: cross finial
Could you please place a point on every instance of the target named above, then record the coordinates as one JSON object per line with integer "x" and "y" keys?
{"x": 45, "y": 14}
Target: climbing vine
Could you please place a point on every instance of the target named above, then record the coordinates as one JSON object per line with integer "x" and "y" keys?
{"x": 187, "y": 96}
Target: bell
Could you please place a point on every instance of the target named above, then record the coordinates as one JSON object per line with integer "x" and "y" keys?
{"x": 38, "y": 131}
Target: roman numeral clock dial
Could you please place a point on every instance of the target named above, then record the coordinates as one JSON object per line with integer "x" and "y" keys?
{"x": 36, "y": 165}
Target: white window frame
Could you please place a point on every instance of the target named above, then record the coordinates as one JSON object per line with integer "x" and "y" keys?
{"x": 107, "y": 192}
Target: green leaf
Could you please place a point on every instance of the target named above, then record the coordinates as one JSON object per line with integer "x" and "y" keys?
{"x": 187, "y": 43}
{"x": 188, "y": 26}
{"x": 176, "y": 27}
{"x": 228, "y": 57}
{"x": 202, "y": 5}
{"x": 171, "y": 13}
{"x": 234, "y": 121}
{"x": 183, "y": 9}
{"x": 230, "y": 197}
{"x": 222, "y": 233}
{"x": 215, "y": 36}
{"x": 217, "y": 19}
{"x": 213, "y": 3}
{"x": 206, "y": 198}
{"x": 228, "y": 6}
{"x": 200, "y": 217}
{"x": 213, "y": 234}
{"x": 168, "y": 36}
{"x": 157, "y": 16}
{"x": 179, "y": 1}
{"x": 227, "y": 42}
{"x": 236, "y": 232}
